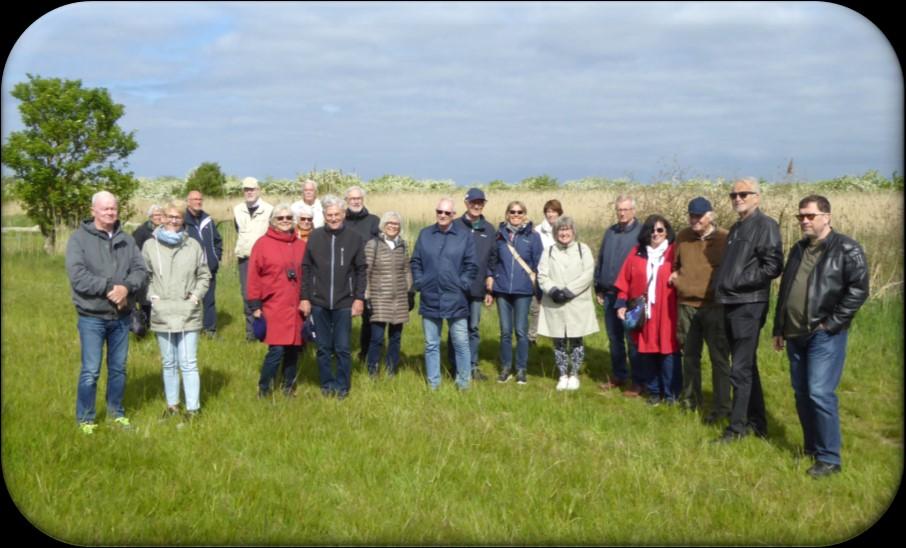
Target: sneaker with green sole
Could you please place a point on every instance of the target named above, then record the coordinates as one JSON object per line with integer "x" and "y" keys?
{"x": 88, "y": 428}
{"x": 123, "y": 423}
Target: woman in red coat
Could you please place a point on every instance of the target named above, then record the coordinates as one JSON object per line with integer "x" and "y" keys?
{"x": 646, "y": 272}
{"x": 273, "y": 291}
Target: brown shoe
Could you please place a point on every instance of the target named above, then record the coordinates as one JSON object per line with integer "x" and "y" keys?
{"x": 634, "y": 391}
{"x": 609, "y": 385}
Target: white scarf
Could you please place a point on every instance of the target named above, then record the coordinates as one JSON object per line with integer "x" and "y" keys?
{"x": 655, "y": 260}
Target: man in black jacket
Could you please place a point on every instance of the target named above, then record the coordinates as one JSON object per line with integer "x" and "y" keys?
{"x": 742, "y": 284}
{"x": 366, "y": 225}
{"x": 334, "y": 276}
{"x": 824, "y": 284}
{"x": 201, "y": 227}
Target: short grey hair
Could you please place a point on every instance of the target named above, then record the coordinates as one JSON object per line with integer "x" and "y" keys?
{"x": 624, "y": 198}
{"x": 355, "y": 187}
{"x": 566, "y": 222}
{"x": 306, "y": 181}
{"x": 333, "y": 201}
{"x": 751, "y": 181}
{"x": 390, "y": 216}
{"x": 154, "y": 209}
{"x": 280, "y": 208}
{"x": 103, "y": 194}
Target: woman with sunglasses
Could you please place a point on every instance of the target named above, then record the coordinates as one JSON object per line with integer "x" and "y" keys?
{"x": 305, "y": 223}
{"x": 519, "y": 250}
{"x": 179, "y": 279}
{"x": 646, "y": 273}
{"x": 274, "y": 289}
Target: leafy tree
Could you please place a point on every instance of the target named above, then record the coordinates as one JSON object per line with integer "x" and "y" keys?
{"x": 539, "y": 182}
{"x": 209, "y": 179}
{"x": 70, "y": 148}
{"x": 498, "y": 184}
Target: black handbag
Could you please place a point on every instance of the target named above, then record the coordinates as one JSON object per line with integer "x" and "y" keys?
{"x": 138, "y": 322}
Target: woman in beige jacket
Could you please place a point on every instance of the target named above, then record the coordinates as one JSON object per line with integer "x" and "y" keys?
{"x": 179, "y": 280}
{"x": 566, "y": 277}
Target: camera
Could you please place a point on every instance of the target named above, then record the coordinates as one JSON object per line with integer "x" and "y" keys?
{"x": 291, "y": 273}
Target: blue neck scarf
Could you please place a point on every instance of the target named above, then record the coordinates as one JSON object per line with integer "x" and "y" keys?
{"x": 167, "y": 237}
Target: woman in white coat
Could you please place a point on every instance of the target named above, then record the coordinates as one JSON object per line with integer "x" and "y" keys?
{"x": 566, "y": 277}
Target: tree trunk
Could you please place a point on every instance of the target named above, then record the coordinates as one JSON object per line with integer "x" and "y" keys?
{"x": 50, "y": 240}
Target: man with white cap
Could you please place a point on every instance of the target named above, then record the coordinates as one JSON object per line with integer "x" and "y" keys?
{"x": 252, "y": 219}
{"x": 310, "y": 199}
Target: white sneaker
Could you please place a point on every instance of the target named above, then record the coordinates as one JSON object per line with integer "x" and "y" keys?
{"x": 572, "y": 383}
{"x": 563, "y": 382}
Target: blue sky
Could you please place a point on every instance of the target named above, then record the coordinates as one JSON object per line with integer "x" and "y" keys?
{"x": 480, "y": 91}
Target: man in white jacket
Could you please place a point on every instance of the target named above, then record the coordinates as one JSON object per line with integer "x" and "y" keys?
{"x": 252, "y": 218}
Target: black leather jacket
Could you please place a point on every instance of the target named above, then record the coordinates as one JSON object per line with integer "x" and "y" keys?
{"x": 754, "y": 257}
{"x": 837, "y": 286}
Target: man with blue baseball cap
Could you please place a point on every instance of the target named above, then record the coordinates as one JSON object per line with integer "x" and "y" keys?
{"x": 699, "y": 250}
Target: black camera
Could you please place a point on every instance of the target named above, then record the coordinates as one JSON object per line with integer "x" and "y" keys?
{"x": 291, "y": 273}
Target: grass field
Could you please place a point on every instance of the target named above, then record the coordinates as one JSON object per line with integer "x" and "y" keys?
{"x": 397, "y": 464}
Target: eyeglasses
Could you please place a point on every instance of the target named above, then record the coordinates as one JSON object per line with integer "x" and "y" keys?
{"x": 391, "y": 223}
{"x": 660, "y": 230}
{"x": 248, "y": 189}
{"x": 284, "y": 217}
{"x": 742, "y": 195}
{"x": 305, "y": 219}
{"x": 442, "y": 212}
{"x": 174, "y": 217}
{"x": 809, "y": 216}
{"x": 516, "y": 212}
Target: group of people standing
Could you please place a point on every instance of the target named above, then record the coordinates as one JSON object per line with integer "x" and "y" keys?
{"x": 313, "y": 265}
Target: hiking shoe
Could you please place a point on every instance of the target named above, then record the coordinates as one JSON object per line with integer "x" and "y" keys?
{"x": 123, "y": 423}
{"x": 572, "y": 383}
{"x": 193, "y": 414}
{"x": 654, "y": 400}
{"x": 169, "y": 411}
{"x": 505, "y": 376}
{"x": 520, "y": 377}
{"x": 563, "y": 382}
{"x": 88, "y": 428}
{"x": 477, "y": 375}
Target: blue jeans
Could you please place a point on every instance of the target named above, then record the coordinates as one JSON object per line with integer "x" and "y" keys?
{"x": 333, "y": 328}
{"x": 289, "y": 356}
{"x": 178, "y": 352}
{"x": 513, "y": 312}
{"x": 93, "y": 332}
{"x": 210, "y": 309}
{"x": 475, "y": 307}
{"x": 459, "y": 332}
{"x": 618, "y": 344}
{"x": 816, "y": 365}
{"x": 662, "y": 374}
{"x": 394, "y": 336}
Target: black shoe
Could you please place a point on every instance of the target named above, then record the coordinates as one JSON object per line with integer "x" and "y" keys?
{"x": 821, "y": 469}
{"x": 373, "y": 371}
{"x": 713, "y": 418}
{"x": 342, "y": 395}
{"x": 729, "y": 436}
{"x": 653, "y": 400}
{"x": 760, "y": 432}
{"x": 210, "y": 333}
{"x": 170, "y": 411}
{"x": 520, "y": 377}
{"x": 477, "y": 375}
{"x": 505, "y": 376}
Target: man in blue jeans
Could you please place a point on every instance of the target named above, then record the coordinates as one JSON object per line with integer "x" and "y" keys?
{"x": 106, "y": 271}
{"x": 824, "y": 284}
{"x": 443, "y": 268}
{"x": 334, "y": 276}
{"x": 618, "y": 241}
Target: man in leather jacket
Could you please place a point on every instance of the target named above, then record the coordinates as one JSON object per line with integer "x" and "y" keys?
{"x": 824, "y": 284}
{"x": 753, "y": 258}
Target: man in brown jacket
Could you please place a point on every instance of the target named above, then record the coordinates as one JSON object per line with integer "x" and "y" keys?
{"x": 699, "y": 250}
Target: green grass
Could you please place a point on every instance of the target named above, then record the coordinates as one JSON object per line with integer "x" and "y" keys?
{"x": 397, "y": 464}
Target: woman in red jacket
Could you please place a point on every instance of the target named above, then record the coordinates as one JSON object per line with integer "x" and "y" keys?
{"x": 645, "y": 273}
{"x": 273, "y": 291}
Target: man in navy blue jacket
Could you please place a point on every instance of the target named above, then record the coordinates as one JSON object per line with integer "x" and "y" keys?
{"x": 443, "y": 268}
{"x": 202, "y": 228}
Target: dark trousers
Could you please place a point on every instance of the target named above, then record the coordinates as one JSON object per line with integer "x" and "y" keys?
{"x": 243, "y": 279}
{"x": 743, "y": 323}
{"x": 289, "y": 355}
{"x": 210, "y": 310}
{"x": 695, "y": 327}
{"x": 365, "y": 333}
{"x": 394, "y": 337}
{"x": 333, "y": 328}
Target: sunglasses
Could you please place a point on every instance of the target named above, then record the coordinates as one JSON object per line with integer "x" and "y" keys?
{"x": 809, "y": 216}
{"x": 515, "y": 212}
{"x": 660, "y": 230}
{"x": 284, "y": 217}
{"x": 743, "y": 195}
{"x": 442, "y": 212}
{"x": 306, "y": 219}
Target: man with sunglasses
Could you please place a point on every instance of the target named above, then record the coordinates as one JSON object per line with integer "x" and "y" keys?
{"x": 251, "y": 219}
{"x": 824, "y": 284}
{"x": 443, "y": 269}
{"x": 742, "y": 285}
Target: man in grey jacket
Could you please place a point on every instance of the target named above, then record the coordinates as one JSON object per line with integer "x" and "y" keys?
{"x": 106, "y": 271}
{"x": 742, "y": 284}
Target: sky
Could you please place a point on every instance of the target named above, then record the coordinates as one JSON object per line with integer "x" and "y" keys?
{"x": 482, "y": 91}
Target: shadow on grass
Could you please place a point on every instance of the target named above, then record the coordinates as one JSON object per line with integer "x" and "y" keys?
{"x": 148, "y": 389}
{"x": 223, "y": 319}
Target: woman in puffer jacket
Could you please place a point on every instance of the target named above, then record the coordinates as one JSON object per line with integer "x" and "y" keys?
{"x": 179, "y": 279}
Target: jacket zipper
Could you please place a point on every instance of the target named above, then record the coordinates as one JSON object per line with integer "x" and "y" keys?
{"x": 333, "y": 240}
